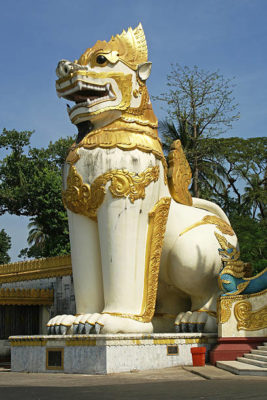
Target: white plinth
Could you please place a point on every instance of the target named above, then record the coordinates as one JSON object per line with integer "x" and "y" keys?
{"x": 104, "y": 354}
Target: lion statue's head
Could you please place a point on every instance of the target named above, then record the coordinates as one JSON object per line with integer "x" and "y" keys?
{"x": 107, "y": 80}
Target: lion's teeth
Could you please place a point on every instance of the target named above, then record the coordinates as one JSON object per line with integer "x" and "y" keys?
{"x": 93, "y": 87}
{"x": 111, "y": 95}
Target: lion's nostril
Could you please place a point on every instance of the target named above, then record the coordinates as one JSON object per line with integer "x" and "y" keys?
{"x": 64, "y": 68}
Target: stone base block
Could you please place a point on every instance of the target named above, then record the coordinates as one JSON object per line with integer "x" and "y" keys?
{"x": 104, "y": 354}
{"x": 229, "y": 348}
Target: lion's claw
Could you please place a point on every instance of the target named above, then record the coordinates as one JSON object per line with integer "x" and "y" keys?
{"x": 196, "y": 321}
{"x": 88, "y": 327}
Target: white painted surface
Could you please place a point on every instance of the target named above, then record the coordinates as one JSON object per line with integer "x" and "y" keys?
{"x": 108, "y": 257}
{"x": 31, "y": 357}
{"x": 109, "y": 353}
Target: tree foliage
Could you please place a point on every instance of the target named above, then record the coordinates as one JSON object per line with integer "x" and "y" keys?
{"x": 231, "y": 172}
{"x": 252, "y": 240}
{"x": 30, "y": 185}
{"x": 5, "y": 244}
{"x": 200, "y": 105}
{"x": 245, "y": 176}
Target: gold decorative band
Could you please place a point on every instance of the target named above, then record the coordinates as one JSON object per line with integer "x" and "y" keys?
{"x": 247, "y": 319}
{"x": 26, "y": 296}
{"x": 123, "y": 139}
{"x": 212, "y": 219}
{"x": 158, "y": 217}
{"x": 164, "y": 341}
{"x": 36, "y": 269}
{"x": 85, "y": 199}
{"x": 80, "y": 341}
{"x": 209, "y": 312}
{"x": 27, "y": 342}
{"x": 125, "y": 134}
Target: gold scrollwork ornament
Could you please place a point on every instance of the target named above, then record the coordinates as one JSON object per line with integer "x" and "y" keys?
{"x": 224, "y": 308}
{"x": 85, "y": 199}
{"x": 247, "y": 319}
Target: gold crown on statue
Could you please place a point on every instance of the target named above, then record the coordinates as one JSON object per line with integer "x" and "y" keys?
{"x": 130, "y": 47}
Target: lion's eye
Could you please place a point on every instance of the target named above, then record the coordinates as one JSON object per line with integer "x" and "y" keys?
{"x": 101, "y": 59}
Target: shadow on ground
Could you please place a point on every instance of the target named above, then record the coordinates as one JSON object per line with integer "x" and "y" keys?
{"x": 197, "y": 389}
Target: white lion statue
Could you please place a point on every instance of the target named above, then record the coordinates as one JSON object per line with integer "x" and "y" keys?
{"x": 144, "y": 253}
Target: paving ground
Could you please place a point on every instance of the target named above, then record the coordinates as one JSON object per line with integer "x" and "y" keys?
{"x": 170, "y": 383}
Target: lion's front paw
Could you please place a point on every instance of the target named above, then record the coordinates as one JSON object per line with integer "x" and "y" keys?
{"x": 69, "y": 324}
{"x": 196, "y": 321}
{"x": 95, "y": 324}
{"x": 105, "y": 323}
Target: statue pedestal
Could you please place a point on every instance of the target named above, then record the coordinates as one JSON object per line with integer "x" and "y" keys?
{"x": 104, "y": 354}
{"x": 242, "y": 325}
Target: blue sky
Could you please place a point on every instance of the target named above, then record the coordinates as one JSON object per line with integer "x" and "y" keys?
{"x": 225, "y": 35}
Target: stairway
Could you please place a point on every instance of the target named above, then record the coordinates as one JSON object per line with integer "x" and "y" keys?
{"x": 253, "y": 363}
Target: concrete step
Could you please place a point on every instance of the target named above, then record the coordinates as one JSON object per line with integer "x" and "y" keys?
{"x": 259, "y": 352}
{"x": 240, "y": 368}
{"x": 250, "y": 361}
{"x": 262, "y": 348}
{"x": 255, "y": 357}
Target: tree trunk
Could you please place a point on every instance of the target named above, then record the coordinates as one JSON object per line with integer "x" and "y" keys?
{"x": 195, "y": 180}
{"x": 196, "y": 170}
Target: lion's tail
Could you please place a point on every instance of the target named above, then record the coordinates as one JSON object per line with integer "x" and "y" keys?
{"x": 211, "y": 207}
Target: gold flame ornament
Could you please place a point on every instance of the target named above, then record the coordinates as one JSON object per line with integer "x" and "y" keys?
{"x": 129, "y": 47}
{"x": 179, "y": 174}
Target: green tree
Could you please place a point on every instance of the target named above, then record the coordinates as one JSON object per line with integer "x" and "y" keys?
{"x": 243, "y": 196}
{"x": 31, "y": 184}
{"x": 36, "y": 233}
{"x": 200, "y": 105}
{"x": 252, "y": 236}
{"x": 5, "y": 245}
{"x": 231, "y": 172}
{"x": 245, "y": 164}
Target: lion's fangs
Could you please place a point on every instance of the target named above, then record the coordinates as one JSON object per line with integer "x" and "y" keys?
{"x": 96, "y": 96}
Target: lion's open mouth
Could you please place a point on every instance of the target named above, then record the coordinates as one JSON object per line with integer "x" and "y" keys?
{"x": 88, "y": 94}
